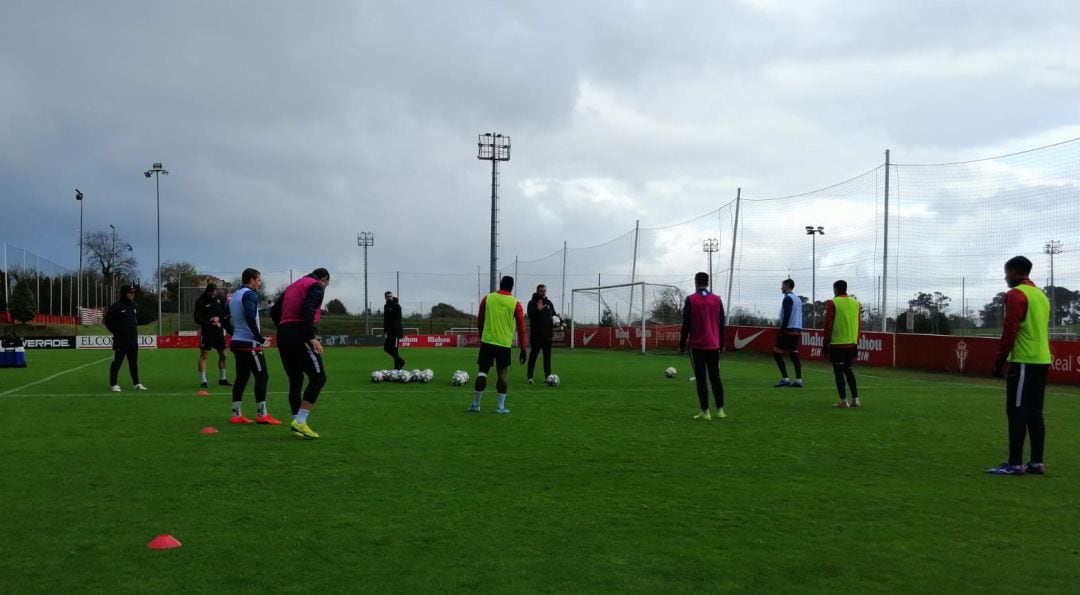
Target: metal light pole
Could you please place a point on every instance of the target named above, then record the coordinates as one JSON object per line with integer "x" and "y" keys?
{"x": 494, "y": 147}
{"x": 112, "y": 265}
{"x": 78, "y": 301}
{"x": 1052, "y": 247}
{"x": 365, "y": 239}
{"x": 157, "y": 171}
{"x": 813, "y": 232}
{"x": 710, "y": 246}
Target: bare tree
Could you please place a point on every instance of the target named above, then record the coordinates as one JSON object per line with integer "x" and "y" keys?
{"x": 112, "y": 256}
{"x": 172, "y": 275}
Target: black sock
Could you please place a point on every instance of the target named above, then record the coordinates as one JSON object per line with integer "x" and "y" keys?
{"x": 850, "y": 375}
{"x": 780, "y": 364}
{"x": 795, "y": 361}
{"x": 838, "y": 376}
{"x": 1017, "y": 432}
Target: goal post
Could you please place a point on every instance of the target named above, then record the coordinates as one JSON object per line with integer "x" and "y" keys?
{"x": 628, "y": 310}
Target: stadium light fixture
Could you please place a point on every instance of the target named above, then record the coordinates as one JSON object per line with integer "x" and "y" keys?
{"x": 78, "y": 301}
{"x": 157, "y": 171}
{"x": 494, "y": 147}
{"x": 813, "y": 232}
{"x": 710, "y": 246}
{"x": 1052, "y": 247}
{"x": 365, "y": 239}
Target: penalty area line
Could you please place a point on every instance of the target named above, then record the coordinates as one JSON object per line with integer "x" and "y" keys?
{"x": 48, "y": 378}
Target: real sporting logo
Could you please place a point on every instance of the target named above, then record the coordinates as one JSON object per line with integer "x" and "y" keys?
{"x": 740, "y": 343}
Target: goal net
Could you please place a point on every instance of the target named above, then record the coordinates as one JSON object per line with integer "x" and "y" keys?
{"x": 641, "y": 316}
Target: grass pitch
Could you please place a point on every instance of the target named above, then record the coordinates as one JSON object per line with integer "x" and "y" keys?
{"x": 604, "y": 484}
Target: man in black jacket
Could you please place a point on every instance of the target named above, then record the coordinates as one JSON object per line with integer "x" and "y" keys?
{"x": 541, "y": 327}
{"x": 392, "y": 329}
{"x": 122, "y": 320}
{"x": 212, "y": 316}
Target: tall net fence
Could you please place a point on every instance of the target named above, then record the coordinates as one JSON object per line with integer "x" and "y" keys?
{"x": 55, "y": 287}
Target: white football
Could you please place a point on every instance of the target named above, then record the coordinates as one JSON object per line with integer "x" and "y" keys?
{"x": 671, "y": 372}
{"x": 377, "y": 376}
{"x": 552, "y": 380}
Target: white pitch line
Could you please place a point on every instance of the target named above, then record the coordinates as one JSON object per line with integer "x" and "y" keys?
{"x": 48, "y": 378}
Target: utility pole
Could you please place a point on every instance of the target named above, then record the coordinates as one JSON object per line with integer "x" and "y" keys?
{"x": 365, "y": 239}
{"x": 813, "y": 233}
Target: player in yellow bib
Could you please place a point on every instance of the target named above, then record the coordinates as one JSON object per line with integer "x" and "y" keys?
{"x": 1026, "y": 347}
{"x": 842, "y": 342}
{"x": 500, "y": 313}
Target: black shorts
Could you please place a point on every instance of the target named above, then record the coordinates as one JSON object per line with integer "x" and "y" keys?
{"x": 493, "y": 354}
{"x": 212, "y": 339}
{"x": 788, "y": 341}
{"x": 843, "y": 355}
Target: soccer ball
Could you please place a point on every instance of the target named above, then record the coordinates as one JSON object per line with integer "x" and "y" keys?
{"x": 377, "y": 376}
{"x": 416, "y": 376}
{"x": 426, "y": 375}
{"x": 670, "y": 372}
{"x": 552, "y": 380}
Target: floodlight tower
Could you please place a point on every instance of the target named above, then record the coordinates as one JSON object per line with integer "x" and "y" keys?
{"x": 157, "y": 171}
{"x": 365, "y": 239}
{"x": 1052, "y": 247}
{"x": 78, "y": 300}
{"x": 494, "y": 147}
{"x": 710, "y": 246}
{"x": 813, "y": 232}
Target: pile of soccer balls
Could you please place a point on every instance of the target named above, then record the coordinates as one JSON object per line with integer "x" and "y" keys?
{"x": 670, "y": 372}
{"x": 460, "y": 378}
{"x": 403, "y": 376}
{"x": 552, "y": 380}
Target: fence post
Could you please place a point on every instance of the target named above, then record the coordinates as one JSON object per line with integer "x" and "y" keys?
{"x": 734, "y": 237}
{"x": 885, "y": 257}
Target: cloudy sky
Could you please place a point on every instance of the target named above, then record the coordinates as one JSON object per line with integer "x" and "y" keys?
{"x": 289, "y": 127}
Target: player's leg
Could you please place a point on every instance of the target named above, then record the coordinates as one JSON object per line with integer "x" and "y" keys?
{"x": 242, "y": 361}
{"x": 502, "y": 365}
{"x": 262, "y": 380}
{"x": 1033, "y": 407}
{"x": 546, "y": 346}
{"x": 712, "y": 367}
{"x": 534, "y": 351}
{"x": 849, "y": 375}
{"x": 201, "y": 367}
{"x": 114, "y": 368}
{"x": 701, "y": 375}
{"x": 836, "y": 356}
{"x": 222, "y": 362}
{"x": 290, "y": 362}
{"x": 133, "y": 366}
{"x": 484, "y": 360}
{"x": 316, "y": 373}
{"x": 778, "y": 357}
{"x": 797, "y": 364}
{"x": 1014, "y": 410}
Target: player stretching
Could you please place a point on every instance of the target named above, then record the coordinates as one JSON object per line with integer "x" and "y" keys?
{"x": 789, "y": 335}
{"x": 300, "y": 351}
{"x": 499, "y": 310}
{"x": 212, "y": 316}
{"x": 703, "y": 331}
{"x": 842, "y": 341}
{"x": 247, "y": 348}
{"x": 1026, "y": 346}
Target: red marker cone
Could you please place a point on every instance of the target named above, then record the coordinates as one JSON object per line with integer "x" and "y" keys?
{"x": 163, "y": 542}
{"x": 202, "y": 393}
{"x": 208, "y": 430}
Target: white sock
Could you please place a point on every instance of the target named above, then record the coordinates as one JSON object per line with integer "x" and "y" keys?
{"x": 476, "y": 398}
{"x": 221, "y": 376}
{"x": 786, "y": 379}
{"x": 202, "y": 376}
{"x": 502, "y": 400}
{"x": 301, "y": 416}
{"x": 260, "y": 408}
{"x": 236, "y": 408}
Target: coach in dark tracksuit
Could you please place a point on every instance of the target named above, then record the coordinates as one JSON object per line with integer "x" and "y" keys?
{"x": 393, "y": 329}
{"x": 541, "y": 327}
{"x": 122, "y": 320}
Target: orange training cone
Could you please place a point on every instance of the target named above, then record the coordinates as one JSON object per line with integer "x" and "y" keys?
{"x": 208, "y": 430}
{"x": 163, "y": 542}
{"x": 202, "y": 393}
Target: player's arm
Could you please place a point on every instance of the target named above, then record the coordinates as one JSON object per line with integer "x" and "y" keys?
{"x": 785, "y": 313}
{"x": 480, "y": 316}
{"x": 519, "y": 314}
{"x": 684, "y": 335}
{"x": 722, "y": 323}
{"x": 312, "y": 303}
{"x": 830, "y": 315}
{"x": 251, "y": 314}
{"x": 199, "y": 318}
{"x": 1016, "y": 307}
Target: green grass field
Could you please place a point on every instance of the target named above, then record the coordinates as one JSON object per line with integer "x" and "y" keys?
{"x": 604, "y": 484}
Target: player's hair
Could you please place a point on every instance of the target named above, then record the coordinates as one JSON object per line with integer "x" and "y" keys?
{"x": 506, "y": 283}
{"x": 321, "y": 273}
{"x": 790, "y": 284}
{"x": 701, "y": 279}
{"x": 210, "y": 287}
{"x": 1018, "y": 264}
{"x": 248, "y": 275}
{"x": 840, "y": 286}
{"x": 541, "y": 286}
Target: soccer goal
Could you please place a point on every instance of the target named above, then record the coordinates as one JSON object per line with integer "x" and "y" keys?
{"x": 629, "y": 316}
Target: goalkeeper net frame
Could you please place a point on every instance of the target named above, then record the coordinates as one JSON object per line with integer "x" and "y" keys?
{"x": 638, "y": 303}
